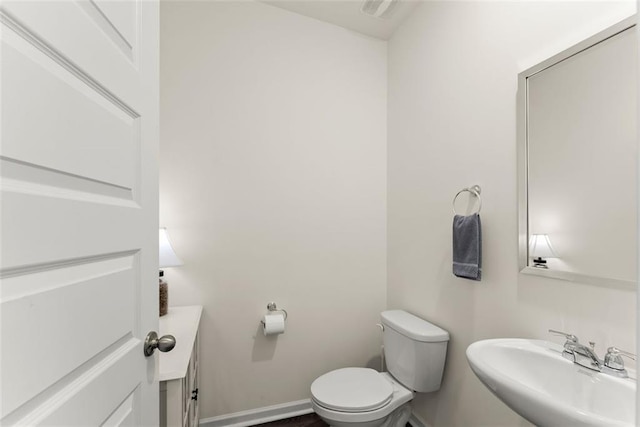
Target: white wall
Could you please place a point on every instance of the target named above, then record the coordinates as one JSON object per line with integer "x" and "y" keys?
{"x": 453, "y": 70}
{"x": 273, "y": 187}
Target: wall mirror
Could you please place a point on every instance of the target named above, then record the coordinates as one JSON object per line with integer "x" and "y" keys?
{"x": 577, "y": 161}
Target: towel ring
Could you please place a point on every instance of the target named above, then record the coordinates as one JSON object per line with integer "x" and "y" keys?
{"x": 475, "y": 190}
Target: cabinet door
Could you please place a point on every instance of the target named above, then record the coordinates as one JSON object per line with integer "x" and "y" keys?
{"x": 186, "y": 399}
{"x": 194, "y": 381}
{"x": 195, "y": 406}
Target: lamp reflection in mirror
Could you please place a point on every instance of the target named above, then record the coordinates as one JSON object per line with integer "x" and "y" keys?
{"x": 540, "y": 248}
{"x": 167, "y": 258}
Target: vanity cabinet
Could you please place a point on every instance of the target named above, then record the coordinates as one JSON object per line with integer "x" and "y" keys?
{"x": 179, "y": 368}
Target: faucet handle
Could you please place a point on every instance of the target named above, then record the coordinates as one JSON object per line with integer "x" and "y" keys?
{"x": 613, "y": 358}
{"x": 569, "y": 345}
{"x": 569, "y": 337}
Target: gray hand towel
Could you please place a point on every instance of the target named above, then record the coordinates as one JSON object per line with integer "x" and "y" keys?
{"x": 467, "y": 246}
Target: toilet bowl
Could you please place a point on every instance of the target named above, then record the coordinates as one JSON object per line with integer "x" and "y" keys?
{"x": 415, "y": 353}
{"x": 360, "y": 397}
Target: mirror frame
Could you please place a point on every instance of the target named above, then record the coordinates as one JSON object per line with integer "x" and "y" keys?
{"x": 523, "y": 161}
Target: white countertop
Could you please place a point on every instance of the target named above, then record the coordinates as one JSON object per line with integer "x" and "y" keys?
{"x": 182, "y": 323}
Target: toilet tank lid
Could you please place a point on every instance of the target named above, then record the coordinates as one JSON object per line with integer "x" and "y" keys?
{"x": 413, "y": 326}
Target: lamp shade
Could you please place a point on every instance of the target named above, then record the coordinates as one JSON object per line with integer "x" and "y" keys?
{"x": 540, "y": 246}
{"x": 167, "y": 256}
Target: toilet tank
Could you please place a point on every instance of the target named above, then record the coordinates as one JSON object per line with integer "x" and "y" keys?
{"x": 414, "y": 350}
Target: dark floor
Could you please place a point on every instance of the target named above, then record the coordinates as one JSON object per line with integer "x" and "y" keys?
{"x": 310, "y": 420}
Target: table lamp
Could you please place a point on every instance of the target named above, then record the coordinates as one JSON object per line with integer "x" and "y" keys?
{"x": 540, "y": 248}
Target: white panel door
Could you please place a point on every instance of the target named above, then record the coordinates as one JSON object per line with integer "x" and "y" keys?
{"x": 78, "y": 214}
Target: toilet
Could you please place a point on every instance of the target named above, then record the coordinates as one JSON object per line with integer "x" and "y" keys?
{"x": 414, "y": 351}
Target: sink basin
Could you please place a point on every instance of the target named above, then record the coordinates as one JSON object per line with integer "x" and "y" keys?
{"x": 534, "y": 380}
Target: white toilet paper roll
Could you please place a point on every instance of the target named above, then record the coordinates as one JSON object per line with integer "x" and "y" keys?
{"x": 273, "y": 324}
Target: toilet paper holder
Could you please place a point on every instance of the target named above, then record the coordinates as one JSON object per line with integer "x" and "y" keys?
{"x": 273, "y": 307}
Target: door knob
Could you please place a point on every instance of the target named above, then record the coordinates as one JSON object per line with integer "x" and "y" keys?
{"x": 164, "y": 343}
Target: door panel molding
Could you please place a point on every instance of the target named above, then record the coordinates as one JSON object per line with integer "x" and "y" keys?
{"x": 34, "y": 40}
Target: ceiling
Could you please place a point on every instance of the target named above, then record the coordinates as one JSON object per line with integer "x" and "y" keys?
{"x": 347, "y": 14}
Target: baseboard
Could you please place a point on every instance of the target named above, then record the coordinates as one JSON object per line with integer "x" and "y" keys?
{"x": 416, "y": 422}
{"x": 260, "y": 415}
{"x": 275, "y": 413}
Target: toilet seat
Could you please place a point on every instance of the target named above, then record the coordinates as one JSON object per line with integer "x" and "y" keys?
{"x": 352, "y": 390}
{"x": 401, "y": 396}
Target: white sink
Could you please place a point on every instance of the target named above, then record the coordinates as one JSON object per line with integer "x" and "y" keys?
{"x": 533, "y": 379}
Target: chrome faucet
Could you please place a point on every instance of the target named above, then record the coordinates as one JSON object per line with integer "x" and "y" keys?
{"x": 587, "y": 357}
